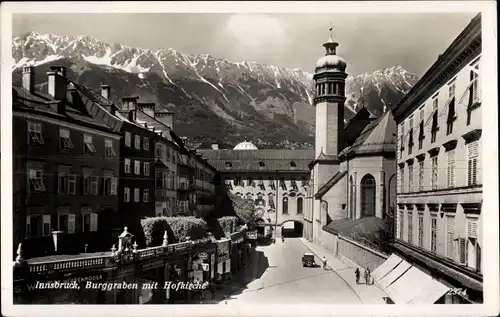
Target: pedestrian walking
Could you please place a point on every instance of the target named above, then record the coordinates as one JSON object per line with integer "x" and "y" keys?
{"x": 283, "y": 239}
{"x": 367, "y": 276}
{"x": 357, "y": 275}
{"x": 324, "y": 262}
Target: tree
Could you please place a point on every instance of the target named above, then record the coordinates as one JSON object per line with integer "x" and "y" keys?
{"x": 244, "y": 209}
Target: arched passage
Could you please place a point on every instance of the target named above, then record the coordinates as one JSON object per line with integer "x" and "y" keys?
{"x": 260, "y": 225}
{"x": 368, "y": 188}
{"x": 292, "y": 229}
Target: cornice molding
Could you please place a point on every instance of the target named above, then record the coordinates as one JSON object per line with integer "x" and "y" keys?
{"x": 464, "y": 49}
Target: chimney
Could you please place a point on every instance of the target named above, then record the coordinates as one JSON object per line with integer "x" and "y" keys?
{"x": 215, "y": 146}
{"x": 165, "y": 117}
{"x": 129, "y": 103}
{"x": 28, "y": 78}
{"x": 57, "y": 82}
{"x": 148, "y": 108}
{"x": 106, "y": 91}
{"x": 132, "y": 115}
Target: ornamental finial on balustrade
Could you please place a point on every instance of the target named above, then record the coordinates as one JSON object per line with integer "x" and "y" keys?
{"x": 134, "y": 247}
{"x": 165, "y": 239}
{"x": 125, "y": 241}
{"x": 19, "y": 258}
{"x": 113, "y": 250}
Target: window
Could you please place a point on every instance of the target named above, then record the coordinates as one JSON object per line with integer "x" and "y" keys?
{"x": 410, "y": 136}
{"x": 472, "y": 248}
{"x": 137, "y": 195}
{"x": 261, "y": 164}
{"x": 146, "y": 168}
{"x": 238, "y": 182}
{"x": 228, "y": 164}
{"x": 402, "y": 178}
{"x": 292, "y": 164}
{"x": 110, "y": 185}
{"x": 137, "y": 142}
{"x": 126, "y": 194}
{"x": 473, "y": 92}
{"x": 293, "y": 183}
{"x": 36, "y": 183}
{"x": 89, "y": 220}
{"x": 38, "y": 225}
{"x": 451, "y": 168}
{"x": 433, "y": 233}
{"x": 285, "y": 205}
{"x": 128, "y": 139}
{"x": 472, "y": 163}
{"x": 402, "y": 139}
{"x": 127, "y": 165}
{"x": 410, "y": 177}
{"x": 88, "y": 146}
{"x": 271, "y": 183}
{"x": 66, "y": 221}
{"x": 401, "y": 223}
{"x": 108, "y": 147}
{"x": 450, "y": 232}
{"x": 271, "y": 201}
{"x": 410, "y": 227}
{"x": 158, "y": 151}
{"x": 435, "y": 123}
{"x": 90, "y": 184}
{"x": 35, "y": 135}
{"x": 421, "y": 231}
{"x": 159, "y": 177}
{"x": 282, "y": 183}
{"x": 145, "y": 196}
{"x": 250, "y": 182}
{"x": 451, "y": 117}
{"x": 421, "y": 175}
{"x": 434, "y": 176}
{"x": 137, "y": 167}
{"x": 66, "y": 183}
{"x": 65, "y": 140}
{"x": 300, "y": 201}
{"x": 145, "y": 144}
{"x": 421, "y": 133}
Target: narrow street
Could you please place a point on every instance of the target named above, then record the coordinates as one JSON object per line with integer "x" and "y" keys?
{"x": 281, "y": 279}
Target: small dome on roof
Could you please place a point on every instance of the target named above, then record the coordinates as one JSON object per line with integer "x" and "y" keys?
{"x": 245, "y": 146}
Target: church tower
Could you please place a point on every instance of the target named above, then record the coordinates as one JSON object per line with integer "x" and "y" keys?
{"x": 329, "y": 78}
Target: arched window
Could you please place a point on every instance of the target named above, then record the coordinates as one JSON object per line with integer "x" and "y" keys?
{"x": 285, "y": 205}
{"x": 368, "y": 196}
{"x": 300, "y": 201}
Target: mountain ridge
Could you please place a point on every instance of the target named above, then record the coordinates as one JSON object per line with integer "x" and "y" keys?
{"x": 269, "y": 104}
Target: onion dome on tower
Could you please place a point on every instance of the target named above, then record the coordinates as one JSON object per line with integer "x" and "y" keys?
{"x": 330, "y": 73}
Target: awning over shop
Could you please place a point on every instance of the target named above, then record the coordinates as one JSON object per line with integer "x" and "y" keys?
{"x": 406, "y": 284}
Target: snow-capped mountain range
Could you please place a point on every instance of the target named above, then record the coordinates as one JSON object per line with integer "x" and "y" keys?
{"x": 215, "y": 100}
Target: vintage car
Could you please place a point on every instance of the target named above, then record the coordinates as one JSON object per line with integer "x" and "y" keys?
{"x": 308, "y": 260}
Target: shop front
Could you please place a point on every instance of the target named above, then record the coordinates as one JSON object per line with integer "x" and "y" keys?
{"x": 176, "y": 271}
{"x": 223, "y": 259}
{"x": 201, "y": 265}
{"x": 237, "y": 252}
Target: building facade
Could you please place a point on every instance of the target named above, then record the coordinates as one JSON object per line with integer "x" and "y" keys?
{"x": 202, "y": 185}
{"x": 439, "y": 192}
{"x": 66, "y": 166}
{"x": 276, "y": 180}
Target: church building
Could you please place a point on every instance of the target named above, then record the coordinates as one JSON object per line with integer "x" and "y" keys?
{"x": 353, "y": 170}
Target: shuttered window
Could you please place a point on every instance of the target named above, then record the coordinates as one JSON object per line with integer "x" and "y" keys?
{"x": 402, "y": 179}
{"x": 410, "y": 227}
{"x": 410, "y": 178}
{"x": 462, "y": 250}
{"x": 451, "y": 168}
{"x": 450, "y": 232}
{"x": 401, "y": 224}
{"x": 472, "y": 228}
{"x": 472, "y": 163}
{"x": 433, "y": 234}
{"x": 420, "y": 230}
{"x": 421, "y": 175}
{"x": 434, "y": 176}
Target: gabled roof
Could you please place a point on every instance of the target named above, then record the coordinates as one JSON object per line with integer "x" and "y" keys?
{"x": 377, "y": 137}
{"x": 46, "y": 104}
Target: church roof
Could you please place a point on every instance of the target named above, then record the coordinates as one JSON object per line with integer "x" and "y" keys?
{"x": 378, "y": 136}
{"x": 266, "y": 160}
{"x": 326, "y": 187}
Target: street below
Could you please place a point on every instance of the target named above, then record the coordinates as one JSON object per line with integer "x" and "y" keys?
{"x": 280, "y": 278}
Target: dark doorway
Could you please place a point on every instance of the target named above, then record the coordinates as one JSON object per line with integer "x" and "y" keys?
{"x": 368, "y": 187}
{"x": 260, "y": 225}
{"x": 292, "y": 229}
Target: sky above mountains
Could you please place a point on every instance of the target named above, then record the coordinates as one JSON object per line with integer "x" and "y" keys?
{"x": 367, "y": 41}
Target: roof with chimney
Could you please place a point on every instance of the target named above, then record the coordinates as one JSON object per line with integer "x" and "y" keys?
{"x": 45, "y": 104}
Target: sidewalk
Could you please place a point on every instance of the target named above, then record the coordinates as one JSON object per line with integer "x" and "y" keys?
{"x": 240, "y": 280}
{"x": 367, "y": 294}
